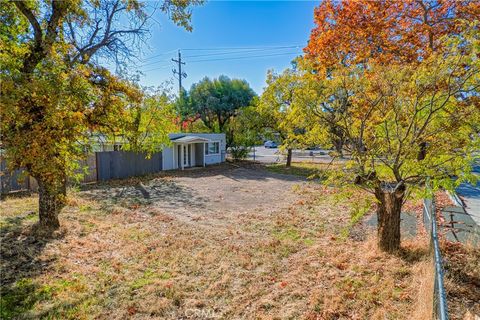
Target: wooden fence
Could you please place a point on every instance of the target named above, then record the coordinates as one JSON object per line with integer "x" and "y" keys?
{"x": 100, "y": 166}
{"x": 14, "y": 181}
{"x": 88, "y": 167}
{"x": 123, "y": 164}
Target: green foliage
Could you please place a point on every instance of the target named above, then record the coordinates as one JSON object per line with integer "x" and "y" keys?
{"x": 278, "y": 108}
{"x": 215, "y": 101}
{"x": 148, "y": 123}
{"x": 12, "y": 27}
{"x": 323, "y": 101}
{"x": 405, "y": 122}
{"x": 239, "y": 152}
{"x": 180, "y": 11}
{"x": 244, "y": 131}
{"x": 21, "y": 297}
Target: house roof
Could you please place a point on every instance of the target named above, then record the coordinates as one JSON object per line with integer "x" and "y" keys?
{"x": 190, "y": 139}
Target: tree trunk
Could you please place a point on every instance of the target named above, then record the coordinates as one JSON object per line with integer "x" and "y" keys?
{"x": 51, "y": 202}
{"x": 338, "y": 144}
{"x": 229, "y": 136}
{"x": 289, "y": 158}
{"x": 388, "y": 217}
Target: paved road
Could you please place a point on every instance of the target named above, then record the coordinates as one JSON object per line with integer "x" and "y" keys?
{"x": 467, "y": 222}
{"x": 273, "y": 155}
{"x": 471, "y": 196}
{"x": 463, "y": 223}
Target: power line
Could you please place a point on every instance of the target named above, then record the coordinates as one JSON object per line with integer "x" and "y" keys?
{"x": 159, "y": 55}
{"x": 239, "y": 48}
{"x": 240, "y": 52}
{"x": 246, "y": 57}
{"x": 157, "y": 68}
{"x": 228, "y": 49}
{"x": 231, "y": 58}
{"x": 154, "y": 62}
{"x": 227, "y": 53}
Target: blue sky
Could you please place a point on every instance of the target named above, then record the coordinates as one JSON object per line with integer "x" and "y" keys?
{"x": 259, "y": 28}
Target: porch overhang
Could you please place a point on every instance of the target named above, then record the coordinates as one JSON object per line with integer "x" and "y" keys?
{"x": 186, "y": 146}
{"x": 190, "y": 139}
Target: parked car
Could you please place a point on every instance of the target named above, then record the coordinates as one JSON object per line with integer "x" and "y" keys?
{"x": 270, "y": 144}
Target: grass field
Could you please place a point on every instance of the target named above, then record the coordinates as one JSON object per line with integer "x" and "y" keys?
{"x": 297, "y": 256}
{"x": 305, "y": 169}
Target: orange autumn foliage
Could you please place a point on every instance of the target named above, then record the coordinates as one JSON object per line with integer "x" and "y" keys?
{"x": 385, "y": 30}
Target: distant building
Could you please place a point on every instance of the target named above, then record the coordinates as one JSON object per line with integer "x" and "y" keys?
{"x": 187, "y": 149}
{"x": 106, "y": 160}
{"x": 194, "y": 150}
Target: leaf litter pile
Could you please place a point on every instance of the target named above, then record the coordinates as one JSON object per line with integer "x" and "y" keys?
{"x": 293, "y": 258}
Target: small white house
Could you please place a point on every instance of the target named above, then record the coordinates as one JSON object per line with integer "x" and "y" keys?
{"x": 193, "y": 150}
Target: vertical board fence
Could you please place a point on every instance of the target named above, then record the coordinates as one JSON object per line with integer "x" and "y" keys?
{"x": 12, "y": 181}
{"x": 100, "y": 166}
{"x": 440, "y": 310}
{"x": 88, "y": 167}
{"x": 124, "y": 164}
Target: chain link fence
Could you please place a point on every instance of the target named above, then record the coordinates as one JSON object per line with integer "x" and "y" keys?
{"x": 440, "y": 310}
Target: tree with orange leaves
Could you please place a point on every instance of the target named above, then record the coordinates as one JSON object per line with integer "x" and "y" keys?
{"x": 385, "y": 30}
{"x": 403, "y": 81}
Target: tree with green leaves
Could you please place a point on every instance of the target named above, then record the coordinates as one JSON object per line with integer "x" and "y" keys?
{"x": 278, "y": 109}
{"x": 217, "y": 101}
{"x": 146, "y": 124}
{"x": 247, "y": 129}
{"x": 406, "y": 123}
{"x": 55, "y": 90}
{"x": 321, "y": 107}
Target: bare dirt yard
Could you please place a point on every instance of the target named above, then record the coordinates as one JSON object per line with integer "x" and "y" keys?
{"x": 225, "y": 242}
{"x": 211, "y": 196}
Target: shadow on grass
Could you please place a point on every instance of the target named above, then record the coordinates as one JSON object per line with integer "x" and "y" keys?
{"x": 239, "y": 170}
{"x": 413, "y": 254}
{"x": 21, "y": 246}
{"x": 145, "y": 193}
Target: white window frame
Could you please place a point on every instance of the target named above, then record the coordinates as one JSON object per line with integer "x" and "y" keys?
{"x": 212, "y": 154}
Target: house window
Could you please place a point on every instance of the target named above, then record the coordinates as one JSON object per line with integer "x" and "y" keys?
{"x": 212, "y": 148}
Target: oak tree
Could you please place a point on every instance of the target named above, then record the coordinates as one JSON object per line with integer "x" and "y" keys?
{"x": 407, "y": 122}
{"x": 217, "y": 101}
{"x": 277, "y": 109}
{"x": 55, "y": 89}
{"x": 415, "y": 60}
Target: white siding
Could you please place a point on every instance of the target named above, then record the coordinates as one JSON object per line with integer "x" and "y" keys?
{"x": 220, "y": 137}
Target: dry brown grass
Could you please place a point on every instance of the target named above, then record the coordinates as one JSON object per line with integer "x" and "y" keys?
{"x": 144, "y": 262}
{"x": 14, "y": 206}
{"x": 424, "y": 281}
{"x": 462, "y": 279}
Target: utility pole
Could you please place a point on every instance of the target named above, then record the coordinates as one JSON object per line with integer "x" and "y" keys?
{"x": 179, "y": 72}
